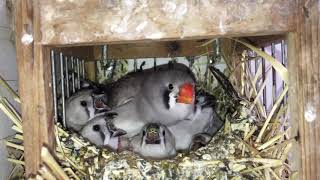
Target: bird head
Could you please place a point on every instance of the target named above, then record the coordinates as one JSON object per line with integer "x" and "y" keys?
{"x": 100, "y": 133}
{"x": 152, "y": 134}
{"x": 99, "y": 103}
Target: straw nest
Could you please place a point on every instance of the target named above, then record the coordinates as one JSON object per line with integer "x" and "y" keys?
{"x": 251, "y": 145}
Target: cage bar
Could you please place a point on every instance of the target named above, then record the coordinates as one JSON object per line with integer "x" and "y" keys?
{"x": 135, "y": 65}
{"x": 67, "y": 77}
{"x": 54, "y": 85}
{"x": 154, "y": 63}
{"x": 104, "y": 52}
{"x": 78, "y": 74}
{"x": 256, "y": 68}
{"x": 274, "y": 75}
{"x": 264, "y": 97}
{"x": 83, "y": 71}
{"x": 73, "y": 75}
{"x": 284, "y": 63}
{"x": 62, "y": 90}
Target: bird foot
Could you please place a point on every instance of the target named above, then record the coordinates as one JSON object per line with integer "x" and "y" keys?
{"x": 199, "y": 140}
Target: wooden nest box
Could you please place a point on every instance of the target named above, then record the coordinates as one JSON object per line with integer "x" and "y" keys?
{"x": 45, "y": 24}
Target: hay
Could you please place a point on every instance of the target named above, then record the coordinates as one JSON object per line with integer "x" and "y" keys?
{"x": 250, "y": 146}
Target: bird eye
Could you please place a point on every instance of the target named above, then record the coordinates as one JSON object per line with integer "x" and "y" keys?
{"x": 96, "y": 127}
{"x": 83, "y": 103}
{"x": 143, "y": 133}
{"x": 170, "y": 87}
{"x": 163, "y": 133}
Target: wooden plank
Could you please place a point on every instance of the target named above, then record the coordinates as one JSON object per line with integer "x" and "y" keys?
{"x": 294, "y": 105}
{"x": 97, "y": 21}
{"x": 83, "y": 52}
{"x": 155, "y": 49}
{"x": 34, "y": 84}
{"x": 90, "y": 65}
{"x": 263, "y": 41}
{"x": 304, "y": 68}
{"x": 90, "y": 69}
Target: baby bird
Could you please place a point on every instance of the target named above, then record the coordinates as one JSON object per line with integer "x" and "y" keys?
{"x": 155, "y": 142}
{"x": 102, "y": 133}
{"x": 82, "y": 106}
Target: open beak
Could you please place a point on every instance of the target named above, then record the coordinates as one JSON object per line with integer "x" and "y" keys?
{"x": 152, "y": 141}
{"x": 186, "y": 93}
{"x": 100, "y": 105}
{"x": 115, "y": 132}
{"x": 118, "y": 132}
{"x": 152, "y": 136}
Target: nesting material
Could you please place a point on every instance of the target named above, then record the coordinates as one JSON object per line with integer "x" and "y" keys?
{"x": 252, "y": 144}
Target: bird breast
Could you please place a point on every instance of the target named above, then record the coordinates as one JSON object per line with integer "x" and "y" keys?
{"x": 154, "y": 151}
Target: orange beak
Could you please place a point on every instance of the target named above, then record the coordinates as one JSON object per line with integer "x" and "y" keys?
{"x": 186, "y": 93}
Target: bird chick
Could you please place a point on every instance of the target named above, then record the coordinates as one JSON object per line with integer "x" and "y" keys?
{"x": 82, "y": 106}
{"x": 102, "y": 133}
{"x": 155, "y": 142}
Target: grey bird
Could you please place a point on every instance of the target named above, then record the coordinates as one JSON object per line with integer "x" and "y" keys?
{"x": 102, "y": 133}
{"x": 189, "y": 135}
{"x": 169, "y": 93}
{"x": 143, "y": 97}
{"x": 82, "y": 106}
{"x": 155, "y": 141}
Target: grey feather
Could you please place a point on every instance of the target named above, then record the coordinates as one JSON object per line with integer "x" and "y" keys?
{"x": 80, "y": 108}
{"x": 165, "y": 149}
{"x": 101, "y": 136}
{"x": 138, "y": 98}
{"x": 206, "y": 121}
{"x": 76, "y": 114}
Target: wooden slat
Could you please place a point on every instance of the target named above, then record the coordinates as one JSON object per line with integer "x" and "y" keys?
{"x": 263, "y": 41}
{"x": 90, "y": 69}
{"x": 304, "y": 68}
{"x": 90, "y": 66}
{"x": 155, "y": 49}
{"x": 97, "y": 21}
{"x": 34, "y": 85}
{"x": 84, "y": 52}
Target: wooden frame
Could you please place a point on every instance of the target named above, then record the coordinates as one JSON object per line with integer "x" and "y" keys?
{"x": 46, "y": 23}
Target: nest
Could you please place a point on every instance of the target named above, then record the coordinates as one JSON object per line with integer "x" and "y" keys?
{"x": 251, "y": 145}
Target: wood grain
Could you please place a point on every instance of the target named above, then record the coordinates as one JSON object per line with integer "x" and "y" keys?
{"x": 83, "y": 52}
{"x": 263, "y": 41}
{"x": 117, "y": 21}
{"x": 34, "y": 85}
{"x": 304, "y": 68}
{"x": 155, "y": 49}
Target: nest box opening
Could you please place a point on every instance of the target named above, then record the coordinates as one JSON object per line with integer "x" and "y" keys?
{"x": 249, "y": 89}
